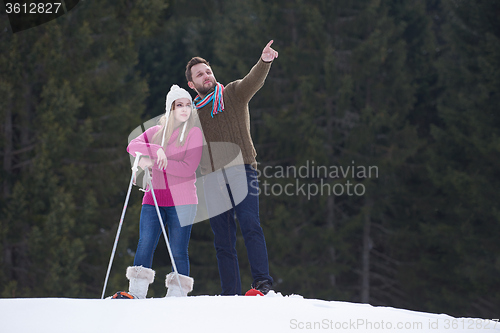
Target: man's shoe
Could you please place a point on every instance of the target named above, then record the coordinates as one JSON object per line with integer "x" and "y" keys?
{"x": 263, "y": 286}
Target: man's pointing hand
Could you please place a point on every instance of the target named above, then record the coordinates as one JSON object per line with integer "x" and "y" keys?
{"x": 268, "y": 54}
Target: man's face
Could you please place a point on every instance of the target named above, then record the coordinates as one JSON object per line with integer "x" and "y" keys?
{"x": 202, "y": 79}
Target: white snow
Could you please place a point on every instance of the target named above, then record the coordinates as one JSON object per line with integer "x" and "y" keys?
{"x": 271, "y": 313}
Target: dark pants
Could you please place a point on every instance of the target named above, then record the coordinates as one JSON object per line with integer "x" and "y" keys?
{"x": 236, "y": 181}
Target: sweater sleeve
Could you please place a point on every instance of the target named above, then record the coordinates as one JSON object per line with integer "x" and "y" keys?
{"x": 252, "y": 82}
{"x": 142, "y": 144}
{"x": 188, "y": 165}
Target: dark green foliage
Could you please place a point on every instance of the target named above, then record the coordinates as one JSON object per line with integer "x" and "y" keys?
{"x": 463, "y": 161}
{"x": 71, "y": 97}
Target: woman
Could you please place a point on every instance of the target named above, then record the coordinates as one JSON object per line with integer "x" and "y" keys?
{"x": 174, "y": 150}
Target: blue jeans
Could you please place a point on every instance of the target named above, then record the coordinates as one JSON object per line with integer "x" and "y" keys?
{"x": 224, "y": 227}
{"x": 178, "y": 237}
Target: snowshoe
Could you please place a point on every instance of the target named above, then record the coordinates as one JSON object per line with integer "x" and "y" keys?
{"x": 122, "y": 295}
{"x": 254, "y": 292}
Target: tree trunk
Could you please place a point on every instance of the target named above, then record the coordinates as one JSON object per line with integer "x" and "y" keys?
{"x": 8, "y": 148}
{"x": 367, "y": 246}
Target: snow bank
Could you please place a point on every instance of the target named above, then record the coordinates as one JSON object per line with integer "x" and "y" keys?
{"x": 272, "y": 313}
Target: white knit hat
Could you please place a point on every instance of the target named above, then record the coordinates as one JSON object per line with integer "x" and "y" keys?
{"x": 175, "y": 93}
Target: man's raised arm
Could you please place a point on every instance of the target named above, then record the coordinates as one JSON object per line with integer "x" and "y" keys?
{"x": 254, "y": 80}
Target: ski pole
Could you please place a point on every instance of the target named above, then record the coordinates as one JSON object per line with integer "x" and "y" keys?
{"x": 163, "y": 227}
{"x": 132, "y": 178}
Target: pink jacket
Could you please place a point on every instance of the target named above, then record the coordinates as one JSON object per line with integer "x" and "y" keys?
{"x": 175, "y": 185}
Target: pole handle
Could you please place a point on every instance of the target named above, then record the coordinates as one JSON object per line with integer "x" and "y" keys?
{"x": 135, "y": 166}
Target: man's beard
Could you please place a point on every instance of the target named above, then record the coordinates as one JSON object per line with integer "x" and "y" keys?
{"x": 203, "y": 90}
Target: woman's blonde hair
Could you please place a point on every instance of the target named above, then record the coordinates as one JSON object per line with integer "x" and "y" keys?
{"x": 167, "y": 128}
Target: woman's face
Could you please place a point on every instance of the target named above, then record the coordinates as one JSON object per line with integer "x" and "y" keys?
{"x": 182, "y": 111}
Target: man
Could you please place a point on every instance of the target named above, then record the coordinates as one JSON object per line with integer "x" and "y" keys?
{"x": 224, "y": 116}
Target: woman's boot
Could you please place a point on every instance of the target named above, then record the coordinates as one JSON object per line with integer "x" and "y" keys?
{"x": 173, "y": 285}
{"x": 139, "y": 280}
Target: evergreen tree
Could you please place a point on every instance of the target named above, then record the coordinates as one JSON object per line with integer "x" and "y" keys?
{"x": 460, "y": 235}
{"x": 72, "y": 95}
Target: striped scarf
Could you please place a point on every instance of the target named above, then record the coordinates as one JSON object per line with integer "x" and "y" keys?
{"x": 215, "y": 97}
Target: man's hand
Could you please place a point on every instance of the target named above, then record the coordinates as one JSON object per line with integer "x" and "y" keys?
{"x": 268, "y": 54}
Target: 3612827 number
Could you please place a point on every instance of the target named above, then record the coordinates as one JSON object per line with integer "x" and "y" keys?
{"x": 32, "y": 8}
{"x": 470, "y": 323}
